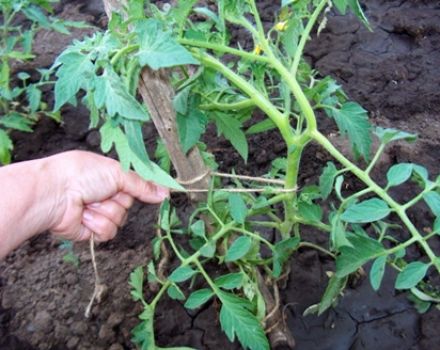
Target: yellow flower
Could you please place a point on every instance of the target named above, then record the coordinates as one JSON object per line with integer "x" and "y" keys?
{"x": 258, "y": 50}
{"x": 281, "y": 26}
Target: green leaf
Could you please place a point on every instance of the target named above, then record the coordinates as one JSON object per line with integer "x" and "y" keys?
{"x": 35, "y": 14}
{"x": 208, "y": 249}
{"x": 231, "y": 129}
{"x": 436, "y": 227}
{"x": 151, "y": 275}
{"x": 237, "y": 320}
{"x": 133, "y": 132}
{"x": 357, "y": 10}
{"x": 158, "y": 49}
{"x": 352, "y": 120}
{"x": 341, "y": 5}
{"x": 198, "y": 298}
{"x": 352, "y": 257}
{"x": 263, "y": 126}
{"x": 33, "y": 94}
{"x": 412, "y": 274}
{"x": 181, "y": 274}
{"x": 377, "y": 271}
{"x": 5, "y": 147}
{"x": 16, "y": 121}
{"x": 370, "y": 210}
{"x": 310, "y": 212}
{"x": 237, "y": 207}
{"x": 388, "y": 135}
{"x": 334, "y": 288}
{"x": 433, "y": 200}
{"x": 191, "y": 127}
{"x": 113, "y": 93}
{"x": 175, "y": 293}
{"x": 75, "y": 65}
{"x": 399, "y": 173}
{"x": 238, "y": 249}
{"x": 281, "y": 253}
{"x": 136, "y": 281}
{"x": 230, "y": 281}
{"x": 198, "y": 229}
{"x": 327, "y": 179}
{"x": 338, "y": 233}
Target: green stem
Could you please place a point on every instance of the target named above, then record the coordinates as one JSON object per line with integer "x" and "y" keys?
{"x": 235, "y": 106}
{"x": 254, "y": 236}
{"x": 305, "y": 36}
{"x": 375, "y": 158}
{"x": 364, "y": 177}
{"x": 225, "y": 49}
{"x": 260, "y": 100}
{"x": 123, "y": 52}
{"x": 317, "y": 247}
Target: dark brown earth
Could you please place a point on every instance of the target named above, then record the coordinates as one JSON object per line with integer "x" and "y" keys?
{"x": 394, "y": 72}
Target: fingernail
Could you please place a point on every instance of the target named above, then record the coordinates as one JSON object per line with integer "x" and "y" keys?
{"x": 162, "y": 192}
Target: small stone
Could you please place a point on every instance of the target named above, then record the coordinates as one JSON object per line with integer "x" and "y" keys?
{"x": 79, "y": 328}
{"x": 71, "y": 278}
{"x": 106, "y": 333}
{"x": 43, "y": 321}
{"x": 72, "y": 343}
{"x": 116, "y": 347}
{"x": 115, "y": 319}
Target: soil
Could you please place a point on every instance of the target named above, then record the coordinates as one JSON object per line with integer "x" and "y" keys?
{"x": 393, "y": 71}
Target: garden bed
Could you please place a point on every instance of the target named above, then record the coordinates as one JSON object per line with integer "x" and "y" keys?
{"x": 394, "y": 72}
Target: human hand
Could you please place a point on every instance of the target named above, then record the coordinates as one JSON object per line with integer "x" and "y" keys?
{"x": 94, "y": 195}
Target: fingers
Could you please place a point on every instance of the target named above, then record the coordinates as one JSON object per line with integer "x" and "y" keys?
{"x": 104, "y": 228}
{"x": 145, "y": 191}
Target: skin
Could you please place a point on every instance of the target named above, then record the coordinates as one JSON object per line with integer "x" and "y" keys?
{"x": 71, "y": 194}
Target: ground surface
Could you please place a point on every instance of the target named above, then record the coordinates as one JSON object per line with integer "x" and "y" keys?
{"x": 394, "y": 72}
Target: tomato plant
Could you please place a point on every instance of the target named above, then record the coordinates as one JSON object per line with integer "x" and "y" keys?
{"x": 22, "y": 105}
{"x": 219, "y": 81}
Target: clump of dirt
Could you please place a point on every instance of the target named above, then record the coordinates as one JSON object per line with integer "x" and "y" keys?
{"x": 393, "y": 71}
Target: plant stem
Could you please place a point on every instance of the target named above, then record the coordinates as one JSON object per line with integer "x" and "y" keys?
{"x": 375, "y": 158}
{"x": 305, "y": 36}
{"x": 120, "y": 53}
{"x": 364, "y": 177}
{"x": 235, "y": 106}
{"x": 225, "y": 49}
{"x": 254, "y": 236}
{"x": 317, "y": 247}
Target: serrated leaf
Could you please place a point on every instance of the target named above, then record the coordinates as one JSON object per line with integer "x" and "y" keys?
{"x": 230, "y": 281}
{"x": 334, "y": 288}
{"x": 72, "y": 64}
{"x": 136, "y": 281}
{"x": 377, "y": 271}
{"x": 238, "y": 249}
{"x": 388, "y": 135}
{"x": 181, "y": 274}
{"x": 327, "y": 179}
{"x": 352, "y": 257}
{"x": 16, "y": 121}
{"x": 112, "y": 93}
{"x": 370, "y": 210}
{"x": 237, "y": 207}
{"x": 237, "y": 321}
{"x": 352, "y": 120}
{"x": 433, "y": 200}
{"x": 231, "y": 129}
{"x": 175, "y": 293}
{"x": 158, "y": 49}
{"x": 281, "y": 253}
{"x": 309, "y": 211}
{"x": 399, "y": 173}
{"x": 198, "y": 298}
{"x": 152, "y": 276}
{"x": 191, "y": 127}
{"x": 412, "y": 274}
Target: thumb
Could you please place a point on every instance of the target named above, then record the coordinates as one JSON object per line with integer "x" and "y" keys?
{"x": 145, "y": 191}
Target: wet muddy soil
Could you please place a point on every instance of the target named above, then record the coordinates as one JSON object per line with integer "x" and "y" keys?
{"x": 394, "y": 72}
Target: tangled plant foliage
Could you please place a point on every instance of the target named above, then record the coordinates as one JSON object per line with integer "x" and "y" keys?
{"x": 21, "y": 106}
{"x": 223, "y": 82}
